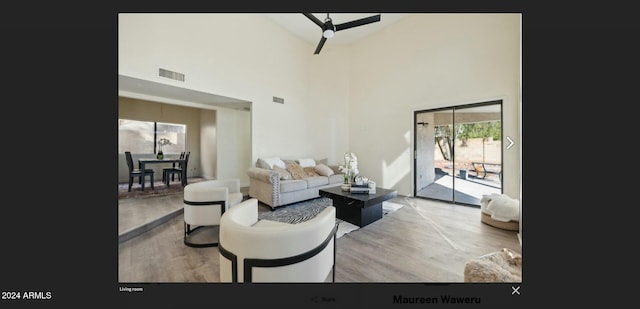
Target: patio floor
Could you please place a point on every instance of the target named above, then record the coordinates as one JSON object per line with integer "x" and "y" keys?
{"x": 467, "y": 191}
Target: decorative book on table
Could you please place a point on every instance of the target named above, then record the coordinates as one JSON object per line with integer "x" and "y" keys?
{"x": 365, "y": 188}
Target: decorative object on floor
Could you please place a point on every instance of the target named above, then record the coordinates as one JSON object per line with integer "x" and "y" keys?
{"x": 501, "y": 211}
{"x": 160, "y": 189}
{"x": 501, "y": 266}
{"x": 204, "y": 204}
{"x": 253, "y": 250}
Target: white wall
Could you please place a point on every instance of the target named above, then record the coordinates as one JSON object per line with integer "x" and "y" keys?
{"x": 208, "y": 144}
{"x": 234, "y": 147}
{"x": 248, "y": 57}
{"x": 427, "y": 61}
{"x": 358, "y": 98}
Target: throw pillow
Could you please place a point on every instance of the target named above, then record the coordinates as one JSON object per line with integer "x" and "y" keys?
{"x": 296, "y": 171}
{"x": 310, "y": 170}
{"x": 324, "y": 161}
{"x": 275, "y": 161}
{"x": 284, "y": 174}
{"x": 307, "y": 162}
{"x": 263, "y": 164}
{"x": 323, "y": 170}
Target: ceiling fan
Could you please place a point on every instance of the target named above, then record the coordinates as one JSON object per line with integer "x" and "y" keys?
{"x": 329, "y": 29}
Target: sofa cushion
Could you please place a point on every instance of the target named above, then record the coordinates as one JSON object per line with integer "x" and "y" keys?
{"x": 307, "y": 162}
{"x": 324, "y": 161}
{"x": 292, "y": 185}
{"x": 296, "y": 171}
{"x": 284, "y": 174}
{"x": 323, "y": 170}
{"x": 316, "y": 181}
{"x": 335, "y": 169}
{"x": 336, "y": 178}
{"x": 274, "y": 161}
{"x": 310, "y": 170}
{"x": 263, "y": 164}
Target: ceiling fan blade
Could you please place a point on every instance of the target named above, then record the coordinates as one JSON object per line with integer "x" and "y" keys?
{"x": 320, "y": 45}
{"x": 358, "y": 22}
{"x": 314, "y": 19}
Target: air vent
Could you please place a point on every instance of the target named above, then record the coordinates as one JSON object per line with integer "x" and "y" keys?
{"x": 278, "y": 100}
{"x": 170, "y": 74}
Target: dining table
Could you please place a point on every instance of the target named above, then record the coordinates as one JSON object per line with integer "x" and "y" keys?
{"x": 142, "y": 162}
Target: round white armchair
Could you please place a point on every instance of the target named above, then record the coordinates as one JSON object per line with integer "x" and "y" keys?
{"x": 204, "y": 204}
{"x": 253, "y": 250}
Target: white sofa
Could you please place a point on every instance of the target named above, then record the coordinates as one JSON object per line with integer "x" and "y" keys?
{"x": 253, "y": 250}
{"x": 268, "y": 186}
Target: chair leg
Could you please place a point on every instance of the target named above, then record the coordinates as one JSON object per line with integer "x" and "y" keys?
{"x": 152, "y": 181}
{"x": 188, "y": 230}
{"x": 130, "y": 182}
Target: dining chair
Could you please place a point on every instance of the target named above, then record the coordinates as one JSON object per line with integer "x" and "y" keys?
{"x": 173, "y": 166}
{"x": 179, "y": 170}
{"x": 135, "y": 172}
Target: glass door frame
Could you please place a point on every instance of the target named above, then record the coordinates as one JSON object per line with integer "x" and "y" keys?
{"x": 453, "y": 110}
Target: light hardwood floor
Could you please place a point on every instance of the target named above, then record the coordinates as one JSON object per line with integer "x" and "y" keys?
{"x": 422, "y": 242}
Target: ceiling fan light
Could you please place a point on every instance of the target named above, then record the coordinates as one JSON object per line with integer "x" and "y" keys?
{"x": 328, "y": 33}
{"x": 329, "y": 28}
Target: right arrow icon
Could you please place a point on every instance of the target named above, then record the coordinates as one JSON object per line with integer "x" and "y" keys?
{"x": 510, "y": 143}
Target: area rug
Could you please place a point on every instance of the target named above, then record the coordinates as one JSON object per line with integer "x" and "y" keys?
{"x": 159, "y": 188}
{"x": 303, "y": 211}
{"x": 298, "y": 212}
{"x": 389, "y": 207}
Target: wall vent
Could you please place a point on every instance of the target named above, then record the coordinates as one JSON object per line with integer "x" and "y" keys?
{"x": 278, "y": 100}
{"x": 170, "y": 74}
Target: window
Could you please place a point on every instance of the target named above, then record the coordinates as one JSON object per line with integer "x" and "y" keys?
{"x": 141, "y": 137}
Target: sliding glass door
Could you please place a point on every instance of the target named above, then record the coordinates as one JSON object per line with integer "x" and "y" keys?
{"x": 458, "y": 152}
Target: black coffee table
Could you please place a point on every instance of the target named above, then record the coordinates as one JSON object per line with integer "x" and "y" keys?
{"x": 358, "y": 208}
